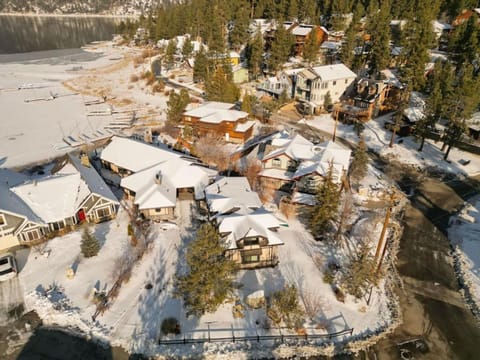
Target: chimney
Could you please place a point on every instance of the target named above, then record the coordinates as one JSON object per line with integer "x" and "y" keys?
{"x": 84, "y": 160}
{"x": 147, "y": 137}
{"x": 34, "y": 182}
{"x": 158, "y": 178}
{"x": 218, "y": 189}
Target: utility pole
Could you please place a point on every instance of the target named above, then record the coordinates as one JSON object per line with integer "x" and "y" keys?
{"x": 382, "y": 246}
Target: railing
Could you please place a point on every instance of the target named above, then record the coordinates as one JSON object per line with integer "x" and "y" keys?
{"x": 257, "y": 338}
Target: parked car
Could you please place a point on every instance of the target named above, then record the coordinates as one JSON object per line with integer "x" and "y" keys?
{"x": 8, "y": 267}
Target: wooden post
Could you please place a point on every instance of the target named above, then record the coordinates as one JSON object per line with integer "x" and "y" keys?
{"x": 382, "y": 246}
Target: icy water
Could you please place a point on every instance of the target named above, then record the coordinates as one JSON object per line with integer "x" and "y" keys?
{"x": 20, "y": 34}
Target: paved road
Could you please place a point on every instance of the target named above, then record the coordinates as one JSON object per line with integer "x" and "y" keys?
{"x": 431, "y": 304}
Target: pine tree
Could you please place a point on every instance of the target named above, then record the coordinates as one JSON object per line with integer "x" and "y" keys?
{"x": 187, "y": 48}
{"x": 348, "y": 46}
{"x": 359, "y": 165}
{"x": 311, "y": 48}
{"x": 284, "y": 306}
{"x": 327, "y": 202}
{"x": 170, "y": 53}
{"x": 379, "y": 29}
{"x": 327, "y": 102}
{"x": 461, "y": 104}
{"x": 176, "y": 105}
{"x": 89, "y": 245}
{"x": 248, "y": 103}
{"x": 281, "y": 47}
{"x": 220, "y": 88}
{"x": 200, "y": 67}
{"x": 255, "y": 54}
{"x": 361, "y": 273}
{"x": 239, "y": 34}
{"x": 210, "y": 276}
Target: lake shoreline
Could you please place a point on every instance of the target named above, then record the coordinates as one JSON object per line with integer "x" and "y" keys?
{"x": 126, "y": 16}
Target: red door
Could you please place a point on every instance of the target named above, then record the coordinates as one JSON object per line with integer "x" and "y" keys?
{"x": 81, "y": 215}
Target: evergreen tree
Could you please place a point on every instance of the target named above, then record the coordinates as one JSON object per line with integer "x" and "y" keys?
{"x": 464, "y": 42}
{"x": 187, "y": 48}
{"x": 281, "y": 47}
{"x": 170, "y": 53}
{"x": 361, "y": 273}
{"x": 379, "y": 30}
{"x": 403, "y": 103}
{"x": 255, "y": 54}
{"x": 284, "y": 306}
{"x": 200, "y": 67}
{"x": 310, "y": 50}
{"x": 292, "y": 10}
{"x": 210, "y": 276}
{"x": 348, "y": 46}
{"x": 220, "y": 88}
{"x": 89, "y": 244}
{"x": 248, "y": 103}
{"x": 327, "y": 202}
{"x": 461, "y": 104}
{"x": 359, "y": 165}
{"x": 239, "y": 34}
{"x": 417, "y": 39}
{"x": 176, "y": 105}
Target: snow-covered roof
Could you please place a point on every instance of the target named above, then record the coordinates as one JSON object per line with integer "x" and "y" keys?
{"x": 416, "y": 108}
{"x": 302, "y": 30}
{"x": 242, "y": 127}
{"x": 156, "y": 187}
{"x": 11, "y": 202}
{"x": 297, "y": 148}
{"x": 216, "y": 112}
{"x": 438, "y": 26}
{"x": 55, "y": 197}
{"x": 303, "y": 198}
{"x": 135, "y": 155}
{"x": 334, "y": 72}
{"x": 391, "y": 78}
{"x": 93, "y": 179}
{"x": 277, "y": 174}
{"x": 258, "y": 223}
{"x": 326, "y": 153}
{"x": 229, "y": 193}
{"x": 331, "y": 45}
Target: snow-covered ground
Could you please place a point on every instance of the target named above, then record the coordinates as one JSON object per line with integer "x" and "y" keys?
{"x": 44, "y": 100}
{"x": 133, "y": 320}
{"x": 464, "y": 234}
{"x": 378, "y": 139}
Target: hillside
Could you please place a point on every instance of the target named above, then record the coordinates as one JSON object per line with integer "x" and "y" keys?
{"x": 117, "y": 7}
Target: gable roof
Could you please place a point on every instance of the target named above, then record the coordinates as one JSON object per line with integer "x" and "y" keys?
{"x": 156, "y": 187}
{"x": 334, "y": 72}
{"x": 258, "y": 223}
{"x": 11, "y": 202}
{"x": 135, "y": 155}
{"x": 54, "y": 197}
{"x": 216, "y": 112}
{"x": 297, "y": 148}
{"x": 229, "y": 193}
{"x": 94, "y": 181}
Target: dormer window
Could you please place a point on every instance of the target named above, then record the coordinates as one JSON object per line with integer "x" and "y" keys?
{"x": 2, "y": 220}
{"x": 277, "y": 163}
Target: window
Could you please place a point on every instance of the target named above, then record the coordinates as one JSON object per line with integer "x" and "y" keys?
{"x": 277, "y": 163}
{"x": 32, "y": 235}
{"x": 334, "y": 83}
{"x": 103, "y": 212}
{"x": 2, "y": 220}
{"x": 324, "y": 85}
{"x": 251, "y": 241}
{"x": 346, "y": 81}
{"x": 251, "y": 256}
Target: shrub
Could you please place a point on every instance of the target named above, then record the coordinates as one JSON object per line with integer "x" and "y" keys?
{"x": 170, "y": 326}
{"x": 89, "y": 245}
{"x": 284, "y": 306}
{"x": 328, "y": 276}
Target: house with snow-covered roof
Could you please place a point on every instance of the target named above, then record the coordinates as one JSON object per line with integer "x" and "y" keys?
{"x": 250, "y": 232}
{"x": 31, "y": 209}
{"x": 230, "y": 195}
{"x": 313, "y": 84}
{"x": 155, "y": 190}
{"x": 219, "y": 119}
{"x": 297, "y": 162}
{"x": 251, "y": 240}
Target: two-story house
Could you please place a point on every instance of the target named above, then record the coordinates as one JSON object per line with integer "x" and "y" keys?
{"x": 297, "y": 164}
{"x": 313, "y": 84}
{"x": 250, "y": 232}
{"x": 302, "y": 34}
{"x": 218, "y": 119}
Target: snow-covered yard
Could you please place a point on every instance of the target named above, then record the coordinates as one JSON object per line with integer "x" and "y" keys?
{"x": 133, "y": 320}
{"x": 464, "y": 234}
{"x": 404, "y": 150}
